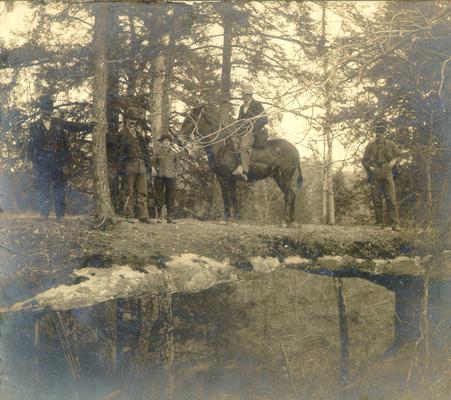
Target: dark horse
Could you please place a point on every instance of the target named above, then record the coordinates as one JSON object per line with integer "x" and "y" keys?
{"x": 278, "y": 159}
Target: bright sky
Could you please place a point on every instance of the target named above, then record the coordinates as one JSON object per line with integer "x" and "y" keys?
{"x": 13, "y": 22}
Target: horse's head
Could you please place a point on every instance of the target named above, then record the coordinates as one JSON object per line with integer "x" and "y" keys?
{"x": 190, "y": 125}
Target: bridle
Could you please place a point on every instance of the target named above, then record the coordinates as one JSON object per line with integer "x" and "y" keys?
{"x": 195, "y": 129}
{"x": 212, "y": 138}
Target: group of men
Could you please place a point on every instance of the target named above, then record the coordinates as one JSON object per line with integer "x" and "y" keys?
{"x": 164, "y": 167}
{"x": 49, "y": 152}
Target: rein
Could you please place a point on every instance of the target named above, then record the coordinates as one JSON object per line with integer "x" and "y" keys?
{"x": 204, "y": 141}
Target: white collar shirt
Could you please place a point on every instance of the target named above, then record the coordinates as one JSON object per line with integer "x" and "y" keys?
{"x": 246, "y": 106}
{"x": 46, "y": 122}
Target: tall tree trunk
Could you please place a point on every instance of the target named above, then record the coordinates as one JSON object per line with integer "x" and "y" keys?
{"x": 113, "y": 75}
{"x": 167, "y": 101}
{"x": 158, "y": 98}
{"x": 113, "y": 115}
{"x": 132, "y": 69}
{"x": 161, "y": 78}
{"x": 103, "y": 206}
{"x": 330, "y": 183}
{"x": 328, "y": 188}
{"x": 224, "y": 111}
{"x": 423, "y": 159}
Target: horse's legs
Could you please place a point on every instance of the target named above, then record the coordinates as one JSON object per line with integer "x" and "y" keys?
{"x": 224, "y": 184}
{"x": 234, "y": 199}
{"x": 284, "y": 183}
{"x": 292, "y": 201}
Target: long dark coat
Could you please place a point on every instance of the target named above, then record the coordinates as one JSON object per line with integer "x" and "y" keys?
{"x": 50, "y": 148}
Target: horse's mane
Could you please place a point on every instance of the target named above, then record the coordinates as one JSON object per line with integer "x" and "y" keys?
{"x": 211, "y": 112}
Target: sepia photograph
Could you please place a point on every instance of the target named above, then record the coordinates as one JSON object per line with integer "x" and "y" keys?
{"x": 225, "y": 200}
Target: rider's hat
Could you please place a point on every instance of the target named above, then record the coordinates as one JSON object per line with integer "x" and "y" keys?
{"x": 247, "y": 89}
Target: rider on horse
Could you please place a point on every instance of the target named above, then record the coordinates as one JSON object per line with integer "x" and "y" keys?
{"x": 252, "y": 130}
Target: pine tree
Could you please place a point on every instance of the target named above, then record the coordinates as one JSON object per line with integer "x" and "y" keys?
{"x": 103, "y": 206}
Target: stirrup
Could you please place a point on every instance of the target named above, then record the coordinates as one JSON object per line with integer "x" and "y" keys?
{"x": 238, "y": 170}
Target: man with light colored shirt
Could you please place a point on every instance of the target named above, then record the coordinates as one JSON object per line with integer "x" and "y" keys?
{"x": 379, "y": 159}
{"x": 165, "y": 167}
{"x": 253, "y": 129}
{"x": 133, "y": 156}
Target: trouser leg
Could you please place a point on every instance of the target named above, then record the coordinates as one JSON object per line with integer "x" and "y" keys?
{"x": 170, "y": 196}
{"x": 390, "y": 201}
{"x": 114, "y": 183}
{"x": 245, "y": 159}
{"x": 246, "y": 148}
{"x": 260, "y": 138}
{"x": 141, "y": 190}
{"x": 377, "y": 193}
{"x": 43, "y": 184}
{"x": 151, "y": 206}
{"x": 159, "y": 193}
{"x": 129, "y": 186}
{"x": 59, "y": 188}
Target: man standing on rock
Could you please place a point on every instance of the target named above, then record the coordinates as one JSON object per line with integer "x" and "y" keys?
{"x": 379, "y": 159}
{"x": 252, "y": 112}
{"x": 133, "y": 156}
{"x": 48, "y": 150}
{"x": 165, "y": 166}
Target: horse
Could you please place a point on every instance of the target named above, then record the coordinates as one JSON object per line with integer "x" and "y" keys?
{"x": 278, "y": 159}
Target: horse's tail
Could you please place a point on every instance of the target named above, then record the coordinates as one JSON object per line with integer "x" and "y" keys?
{"x": 300, "y": 178}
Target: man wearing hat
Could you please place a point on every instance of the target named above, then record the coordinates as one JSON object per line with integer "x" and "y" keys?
{"x": 165, "y": 164}
{"x": 48, "y": 149}
{"x": 379, "y": 159}
{"x": 133, "y": 156}
{"x": 253, "y": 128}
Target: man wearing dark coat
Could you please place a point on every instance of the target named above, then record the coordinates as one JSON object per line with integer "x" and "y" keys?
{"x": 133, "y": 158}
{"x": 48, "y": 149}
{"x": 379, "y": 159}
{"x": 253, "y": 129}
